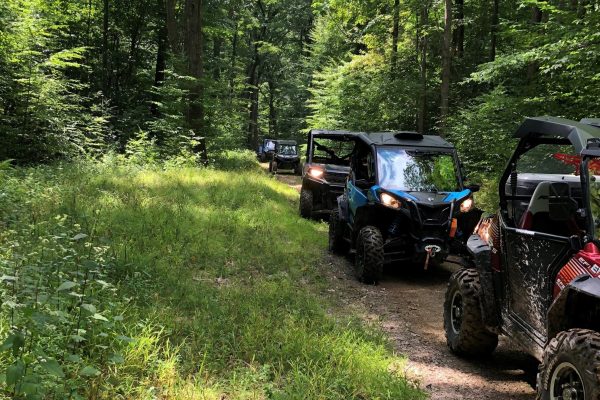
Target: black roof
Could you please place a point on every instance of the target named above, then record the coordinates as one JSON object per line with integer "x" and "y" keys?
{"x": 591, "y": 121}
{"x": 332, "y": 132}
{"x": 334, "y": 135}
{"x": 578, "y": 133}
{"x": 404, "y": 138}
{"x": 285, "y": 141}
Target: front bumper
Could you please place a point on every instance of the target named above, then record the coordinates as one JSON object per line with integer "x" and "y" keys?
{"x": 325, "y": 193}
{"x": 285, "y": 163}
{"x": 413, "y": 233}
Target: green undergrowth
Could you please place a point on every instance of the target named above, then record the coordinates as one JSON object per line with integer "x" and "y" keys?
{"x": 137, "y": 282}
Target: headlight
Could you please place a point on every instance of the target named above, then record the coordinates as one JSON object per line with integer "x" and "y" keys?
{"x": 389, "y": 201}
{"x": 315, "y": 172}
{"x": 466, "y": 205}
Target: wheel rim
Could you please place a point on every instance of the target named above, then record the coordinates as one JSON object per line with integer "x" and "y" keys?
{"x": 456, "y": 312}
{"x": 566, "y": 383}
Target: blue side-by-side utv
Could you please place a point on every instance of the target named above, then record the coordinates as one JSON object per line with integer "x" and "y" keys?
{"x": 405, "y": 200}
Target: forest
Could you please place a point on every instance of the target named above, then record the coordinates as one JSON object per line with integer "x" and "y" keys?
{"x": 130, "y": 270}
{"x": 82, "y": 78}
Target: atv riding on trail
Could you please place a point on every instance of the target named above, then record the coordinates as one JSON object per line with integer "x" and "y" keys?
{"x": 266, "y": 149}
{"x": 535, "y": 274}
{"x": 325, "y": 171}
{"x": 404, "y": 200}
{"x": 285, "y": 156}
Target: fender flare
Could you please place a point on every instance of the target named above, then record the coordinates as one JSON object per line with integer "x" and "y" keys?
{"x": 568, "y": 309}
{"x": 342, "y": 202}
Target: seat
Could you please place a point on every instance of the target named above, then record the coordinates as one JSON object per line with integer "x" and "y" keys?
{"x": 537, "y": 216}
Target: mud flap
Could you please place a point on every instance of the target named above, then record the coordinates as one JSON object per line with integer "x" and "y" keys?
{"x": 481, "y": 253}
{"x": 343, "y": 207}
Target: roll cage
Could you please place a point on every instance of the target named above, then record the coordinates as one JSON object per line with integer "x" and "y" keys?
{"x": 583, "y": 137}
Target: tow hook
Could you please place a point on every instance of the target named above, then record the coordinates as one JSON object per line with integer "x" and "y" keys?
{"x": 431, "y": 251}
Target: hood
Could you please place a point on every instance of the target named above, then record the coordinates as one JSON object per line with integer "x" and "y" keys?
{"x": 336, "y": 169}
{"x": 332, "y": 168}
{"x": 286, "y": 157}
{"x": 432, "y": 198}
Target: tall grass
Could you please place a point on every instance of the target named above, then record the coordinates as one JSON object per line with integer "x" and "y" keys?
{"x": 187, "y": 283}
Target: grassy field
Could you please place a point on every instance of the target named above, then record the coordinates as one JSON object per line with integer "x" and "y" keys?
{"x": 137, "y": 282}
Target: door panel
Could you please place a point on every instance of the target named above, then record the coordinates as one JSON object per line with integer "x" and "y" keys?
{"x": 531, "y": 258}
{"x": 356, "y": 198}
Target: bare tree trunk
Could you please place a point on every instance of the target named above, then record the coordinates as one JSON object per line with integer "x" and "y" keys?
{"x": 446, "y": 66}
{"x": 494, "y": 28}
{"x": 161, "y": 64}
{"x": 582, "y": 8}
{"x": 536, "y": 18}
{"x": 252, "y": 95}
{"x": 272, "y": 110}
{"x": 395, "y": 34}
{"x": 234, "y": 45}
{"x": 172, "y": 26}
{"x": 105, "y": 71}
{"x": 459, "y": 32}
{"x": 217, "y": 41}
{"x": 422, "y": 49}
{"x": 194, "y": 49}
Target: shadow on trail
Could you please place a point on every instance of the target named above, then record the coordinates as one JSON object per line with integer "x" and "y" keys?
{"x": 416, "y": 298}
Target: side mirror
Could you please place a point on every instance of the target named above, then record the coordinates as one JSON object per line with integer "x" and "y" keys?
{"x": 474, "y": 187}
{"x": 362, "y": 183}
{"x": 561, "y": 206}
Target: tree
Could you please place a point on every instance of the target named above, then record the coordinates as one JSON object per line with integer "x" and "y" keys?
{"x": 446, "y": 66}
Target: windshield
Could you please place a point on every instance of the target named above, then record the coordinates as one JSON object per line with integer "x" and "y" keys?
{"x": 288, "y": 150}
{"x": 332, "y": 150}
{"x": 416, "y": 170}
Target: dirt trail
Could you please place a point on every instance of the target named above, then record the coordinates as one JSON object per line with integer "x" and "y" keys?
{"x": 408, "y": 306}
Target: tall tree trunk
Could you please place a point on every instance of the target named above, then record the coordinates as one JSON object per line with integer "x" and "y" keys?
{"x": 494, "y": 28}
{"x": 446, "y": 67}
{"x": 272, "y": 109}
{"x": 161, "y": 62}
{"x": 105, "y": 71}
{"x": 395, "y": 34}
{"x": 252, "y": 95}
{"x": 459, "y": 32}
{"x": 217, "y": 41}
{"x": 536, "y": 18}
{"x": 234, "y": 45}
{"x": 582, "y": 8}
{"x": 194, "y": 47}
{"x": 422, "y": 49}
{"x": 172, "y": 25}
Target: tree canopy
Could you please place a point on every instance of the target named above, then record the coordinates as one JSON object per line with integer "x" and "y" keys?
{"x": 87, "y": 76}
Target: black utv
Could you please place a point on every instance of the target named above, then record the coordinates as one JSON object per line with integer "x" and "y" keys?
{"x": 266, "y": 149}
{"x": 405, "y": 200}
{"x": 285, "y": 156}
{"x": 535, "y": 273}
{"x": 325, "y": 171}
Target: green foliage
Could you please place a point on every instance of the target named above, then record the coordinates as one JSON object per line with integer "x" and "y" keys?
{"x": 174, "y": 283}
{"x": 358, "y": 93}
{"x": 41, "y": 104}
{"x": 236, "y": 160}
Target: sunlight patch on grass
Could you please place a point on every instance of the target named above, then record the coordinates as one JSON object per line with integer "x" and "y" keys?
{"x": 217, "y": 278}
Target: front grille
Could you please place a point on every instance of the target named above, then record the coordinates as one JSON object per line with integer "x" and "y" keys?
{"x": 434, "y": 215}
{"x": 336, "y": 179}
